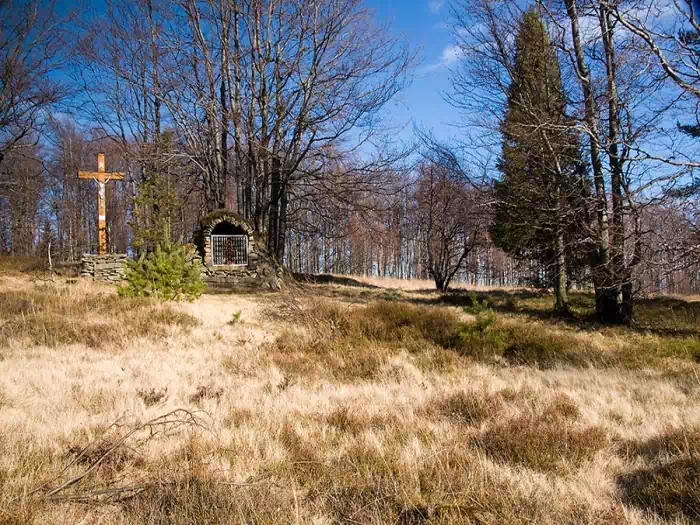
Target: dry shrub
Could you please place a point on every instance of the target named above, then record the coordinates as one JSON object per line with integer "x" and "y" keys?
{"x": 401, "y": 322}
{"x": 349, "y": 365}
{"x": 201, "y": 499}
{"x": 303, "y": 356}
{"x": 381, "y": 322}
{"x": 238, "y": 417}
{"x": 4, "y": 399}
{"x": 55, "y": 315}
{"x": 439, "y": 360}
{"x": 351, "y": 344}
{"x": 348, "y": 421}
{"x": 653, "y": 350}
{"x": 546, "y": 441}
{"x": 537, "y": 346}
{"x": 545, "y": 346}
{"x": 511, "y": 395}
{"x": 341, "y": 334}
{"x": 669, "y": 444}
{"x": 358, "y": 504}
{"x": 152, "y": 396}
{"x": 114, "y": 461}
{"x": 671, "y": 314}
{"x": 17, "y": 265}
{"x": 561, "y": 408}
{"x": 672, "y": 490}
{"x": 304, "y": 464}
{"x": 343, "y": 420}
{"x": 206, "y": 392}
{"x": 471, "y": 408}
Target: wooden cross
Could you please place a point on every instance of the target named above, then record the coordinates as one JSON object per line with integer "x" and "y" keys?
{"x": 102, "y": 177}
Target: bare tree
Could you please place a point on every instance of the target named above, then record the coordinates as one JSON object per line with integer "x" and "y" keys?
{"x": 257, "y": 91}
{"x": 452, "y": 221}
{"x": 32, "y": 50}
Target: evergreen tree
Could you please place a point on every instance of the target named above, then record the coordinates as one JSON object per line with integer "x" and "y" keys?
{"x": 540, "y": 197}
{"x": 170, "y": 273}
{"x": 155, "y": 204}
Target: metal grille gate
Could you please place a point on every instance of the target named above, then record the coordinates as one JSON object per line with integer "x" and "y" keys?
{"x": 229, "y": 249}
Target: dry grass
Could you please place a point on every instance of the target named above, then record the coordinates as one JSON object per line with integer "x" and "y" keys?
{"x": 419, "y": 284}
{"x": 548, "y": 440}
{"x": 19, "y": 266}
{"x": 409, "y": 411}
{"x": 56, "y": 315}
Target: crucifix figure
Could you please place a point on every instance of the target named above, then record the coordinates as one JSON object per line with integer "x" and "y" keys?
{"x": 102, "y": 177}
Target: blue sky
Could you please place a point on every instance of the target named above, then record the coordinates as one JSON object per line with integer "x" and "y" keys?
{"x": 424, "y": 24}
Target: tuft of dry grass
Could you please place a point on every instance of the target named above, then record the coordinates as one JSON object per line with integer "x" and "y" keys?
{"x": 355, "y": 343}
{"x": 19, "y": 266}
{"x": 470, "y": 408}
{"x": 671, "y": 490}
{"x": 345, "y": 421}
{"x": 59, "y": 315}
{"x": 544, "y": 349}
{"x": 197, "y": 499}
{"x": 152, "y": 396}
{"x": 206, "y": 392}
{"x": 547, "y": 441}
{"x": 671, "y": 443}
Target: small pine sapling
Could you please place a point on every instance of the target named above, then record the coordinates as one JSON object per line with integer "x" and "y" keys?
{"x": 167, "y": 273}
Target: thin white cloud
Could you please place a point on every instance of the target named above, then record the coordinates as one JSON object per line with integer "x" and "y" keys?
{"x": 450, "y": 54}
{"x": 435, "y": 5}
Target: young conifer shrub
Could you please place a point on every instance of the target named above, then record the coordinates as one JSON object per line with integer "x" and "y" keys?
{"x": 168, "y": 273}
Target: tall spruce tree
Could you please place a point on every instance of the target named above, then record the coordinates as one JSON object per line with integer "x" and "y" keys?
{"x": 540, "y": 197}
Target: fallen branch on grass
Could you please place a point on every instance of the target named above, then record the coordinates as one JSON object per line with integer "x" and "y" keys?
{"x": 107, "y": 446}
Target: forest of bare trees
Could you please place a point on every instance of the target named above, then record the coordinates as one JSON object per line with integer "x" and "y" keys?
{"x": 276, "y": 109}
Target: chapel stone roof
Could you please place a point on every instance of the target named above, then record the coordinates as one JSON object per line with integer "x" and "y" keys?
{"x": 208, "y": 222}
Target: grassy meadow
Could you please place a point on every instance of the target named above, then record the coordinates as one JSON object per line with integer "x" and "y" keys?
{"x": 356, "y": 403}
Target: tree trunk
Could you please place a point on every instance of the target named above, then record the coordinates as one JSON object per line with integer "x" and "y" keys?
{"x": 561, "y": 302}
{"x": 282, "y": 228}
{"x": 274, "y": 215}
{"x": 440, "y": 282}
{"x": 214, "y": 193}
{"x": 617, "y": 238}
{"x": 606, "y": 301}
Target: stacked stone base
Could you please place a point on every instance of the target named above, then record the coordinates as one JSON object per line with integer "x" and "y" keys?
{"x": 260, "y": 276}
{"x": 108, "y": 268}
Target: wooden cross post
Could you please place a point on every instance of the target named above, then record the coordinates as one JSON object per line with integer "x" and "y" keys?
{"x": 102, "y": 177}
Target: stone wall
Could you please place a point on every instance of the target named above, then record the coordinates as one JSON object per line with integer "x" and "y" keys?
{"x": 261, "y": 273}
{"x": 110, "y": 268}
{"x": 265, "y": 275}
